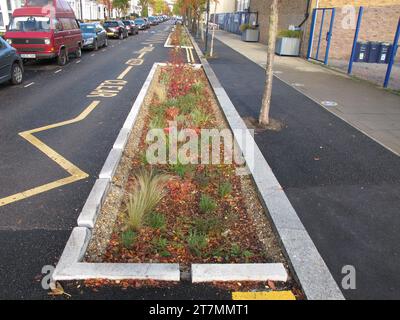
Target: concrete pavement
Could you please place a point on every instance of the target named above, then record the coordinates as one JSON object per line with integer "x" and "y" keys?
{"x": 370, "y": 109}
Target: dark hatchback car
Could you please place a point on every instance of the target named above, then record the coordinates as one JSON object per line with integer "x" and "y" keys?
{"x": 116, "y": 29}
{"x": 94, "y": 36}
{"x": 11, "y": 67}
{"x": 131, "y": 26}
{"x": 141, "y": 24}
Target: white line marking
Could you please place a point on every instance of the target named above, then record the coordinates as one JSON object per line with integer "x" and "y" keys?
{"x": 93, "y": 54}
{"x": 79, "y": 61}
{"x": 28, "y": 85}
{"x": 59, "y": 70}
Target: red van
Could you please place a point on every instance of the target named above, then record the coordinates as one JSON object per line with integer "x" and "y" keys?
{"x": 45, "y": 29}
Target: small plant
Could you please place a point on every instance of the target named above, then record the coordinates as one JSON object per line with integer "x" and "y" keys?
{"x": 157, "y": 122}
{"x": 207, "y": 226}
{"x": 247, "y": 255}
{"x": 197, "y": 242}
{"x": 199, "y": 117}
{"x": 197, "y": 88}
{"x": 235, "y": 250}
{"x": 160, "y": 246}
{"x": 187, "y": 103}
{"x": 128, "y": 238}
{"x": 143, "y": 159}
{"x": 156, "y": 220}
{"x": 224, "y": 189}
{"x": 182, "y": 169}
{"x": 207, "y": 204}
{"x": 148, "y": 192}
{"x": 161, "y": 93}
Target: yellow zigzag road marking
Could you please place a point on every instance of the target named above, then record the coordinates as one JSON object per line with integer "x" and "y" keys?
{"x": 272, "y": 295}
{"x": 76, "y": 174}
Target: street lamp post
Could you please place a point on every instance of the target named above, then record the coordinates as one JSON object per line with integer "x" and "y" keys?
{"x": 208, "y": 18}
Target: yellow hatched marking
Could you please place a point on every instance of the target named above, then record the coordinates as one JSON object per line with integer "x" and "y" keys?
{"x": 76, "y": 174}
{"x": 272, "y": 295}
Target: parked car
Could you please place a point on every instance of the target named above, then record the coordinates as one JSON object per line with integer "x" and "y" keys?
{"x": 94, "y": 36}
{"x": 11, "y": 67}
{"x": 141, "y": 24}
{"x": 153, "y": 21}
{"x": 36, "y": 36}
{"x": 147, "y": 23}
{"x": 131, "y": 26}
{"x": 116, "y": 29}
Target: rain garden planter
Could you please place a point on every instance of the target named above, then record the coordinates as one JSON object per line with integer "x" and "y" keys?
{"x": 175, "y": 198}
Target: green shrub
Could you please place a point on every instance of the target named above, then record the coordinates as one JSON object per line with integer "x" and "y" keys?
{"x": 207, "y": 204}
{"x": 148, "y": 192}
{"x": 224, "y": 189}
{"x": 290, "y": 34}
{"x": 156, "y": 220}
{"x": 197, "y": 242}
{"x": 128, "y": 238}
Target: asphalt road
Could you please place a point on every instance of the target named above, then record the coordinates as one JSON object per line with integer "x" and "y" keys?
{"x": 344, "y": 186}
{"x": 34, "y": 230}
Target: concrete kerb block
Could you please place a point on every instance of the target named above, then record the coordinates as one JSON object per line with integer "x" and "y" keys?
{"x": 93, "y": 204}
{"x": 122, "y": 139}
{"x": 74, "y": 251}
{"x": 239, "y": 272}
{"x": 122, "y": 271}
{"x": 306, "y": 262}
{"x": 111, "y": 164}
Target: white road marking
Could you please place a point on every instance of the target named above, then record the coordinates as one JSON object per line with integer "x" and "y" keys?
{"x": 93, "y": 54}
{"x": 28, "y": 85}
{"x": 79, "y": 61}
{"x": 59, "y": 70}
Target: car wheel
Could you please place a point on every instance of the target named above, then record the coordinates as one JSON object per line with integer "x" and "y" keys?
{"x": 78, "y": 52}
{"x": 16, "y": 74}
{"x": 62, "y": 58}
{"x": 95, "y": 45}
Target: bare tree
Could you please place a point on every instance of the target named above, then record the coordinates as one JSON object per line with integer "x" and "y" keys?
{"x": 272, "y": 32}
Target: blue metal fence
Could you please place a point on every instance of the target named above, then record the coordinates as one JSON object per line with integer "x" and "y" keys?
{"x": 231, "y": 22}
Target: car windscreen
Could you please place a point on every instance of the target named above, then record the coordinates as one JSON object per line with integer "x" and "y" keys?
{"x": 139, "y": 21}
{"x": 88, "y": 28}
{"x": 111, "y": 24}
{"x": 29, "y": 24}
{"x": 127, "y": 23}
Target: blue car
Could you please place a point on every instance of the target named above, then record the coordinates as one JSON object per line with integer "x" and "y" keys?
{"x": 94, "y": 36}
{"x": 11, "y": 67}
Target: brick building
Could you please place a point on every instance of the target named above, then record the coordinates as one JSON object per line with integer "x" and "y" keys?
{"x": 379, "y": 21}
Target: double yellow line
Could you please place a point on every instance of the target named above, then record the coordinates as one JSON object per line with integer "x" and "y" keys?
{"x": 189, "y": 55}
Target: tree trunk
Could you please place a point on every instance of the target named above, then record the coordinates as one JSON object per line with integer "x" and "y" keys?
{"x": 273, "y": 27}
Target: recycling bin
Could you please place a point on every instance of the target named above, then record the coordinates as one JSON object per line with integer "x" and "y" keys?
{"x": 384, "y": 52}
{"x": 373, "y": 52}
{"x": 361, "y": 52}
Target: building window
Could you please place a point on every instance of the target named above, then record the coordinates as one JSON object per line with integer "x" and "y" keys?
{"x": 242, "y": 5}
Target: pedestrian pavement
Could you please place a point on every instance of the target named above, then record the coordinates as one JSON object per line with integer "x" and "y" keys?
{"x": 371, "y": 109}
{"x": 344, "y": 186}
